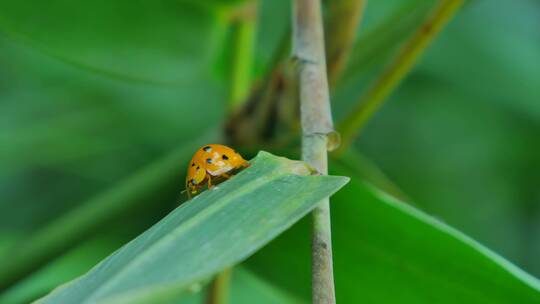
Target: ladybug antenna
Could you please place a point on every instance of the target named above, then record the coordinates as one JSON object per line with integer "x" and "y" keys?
{"x": 181, "y": 198}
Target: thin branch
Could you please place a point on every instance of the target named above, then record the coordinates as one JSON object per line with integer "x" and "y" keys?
{"x": 397, "y": 70}
{"x": 316, "y": 119}
{"x": 342, "y": 23}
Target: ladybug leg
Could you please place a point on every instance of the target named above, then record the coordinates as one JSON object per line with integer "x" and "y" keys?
{"x": 210, "y": 186}
{"x": 191, "y": 191}
{"x": 226, "y": 176}
{"x": 187, "y": 190}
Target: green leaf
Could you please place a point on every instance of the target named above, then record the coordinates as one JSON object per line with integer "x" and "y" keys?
{"x": 387, "y": 26}
{"x": 498, "y": 52}
{"x": 385, "y": 251}
{"x": 216, "y": 229}
{"x": 96, "y": 213}
{"x": 165, "y": 42}
{"x": 247, "y": 286}
{"x": 71, "y": 143}
{"x": 67, "y": 267}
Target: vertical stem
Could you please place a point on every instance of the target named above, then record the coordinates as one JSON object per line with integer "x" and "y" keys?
{"x": 316, "y": 119}
{"x": 244, "y": 25}
{"x": 343, "y": 19}
{"x": 398, "y": 69}
{"x": 218, "y": 291}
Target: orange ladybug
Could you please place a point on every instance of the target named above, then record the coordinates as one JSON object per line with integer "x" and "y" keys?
{"x": 210, "y": 162}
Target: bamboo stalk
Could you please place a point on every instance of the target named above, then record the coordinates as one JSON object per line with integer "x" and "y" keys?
{"x": 397, "y": 70}
{"x": 316, "y": 119}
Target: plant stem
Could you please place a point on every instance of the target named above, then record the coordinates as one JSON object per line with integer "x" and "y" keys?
{"x": 342, "y": 24}
{"x": 397, "y": 70}
{"x": 218, "y": 290}
{"x": 244, "y": 26}
{"x": 316, "y": 119}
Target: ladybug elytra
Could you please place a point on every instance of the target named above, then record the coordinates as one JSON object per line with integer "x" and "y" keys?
{"x": 210, "y": 162}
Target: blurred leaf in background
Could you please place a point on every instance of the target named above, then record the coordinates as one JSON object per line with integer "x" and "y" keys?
{"x": 90, "y": 93}
{"x": 467, "y": 128}
{"x": 388, "y": 252}
{"x": 66, "y": 126}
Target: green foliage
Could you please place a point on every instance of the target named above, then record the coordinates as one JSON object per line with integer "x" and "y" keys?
{"x": 100, "y": 210}
{"x": 216, "y": 229}
{"x": 388, "y": 252}
{"x": 94, "y": 94}
{"x": 460, "y": 134}
{"x": 158, "y": 42}
{"x": 67, "y": 267}
{"x": 245, "y": 284}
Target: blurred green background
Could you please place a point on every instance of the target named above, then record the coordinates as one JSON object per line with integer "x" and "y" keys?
{"x": 90, "y": 92}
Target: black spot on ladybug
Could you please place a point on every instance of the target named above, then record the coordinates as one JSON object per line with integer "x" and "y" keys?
{"x": 198, "y": 167}
{"x": 192, "y": 164}
{"x": 207, "y": 148}
{"x": 209, "y": 160}
{"x": 224, "y": 157}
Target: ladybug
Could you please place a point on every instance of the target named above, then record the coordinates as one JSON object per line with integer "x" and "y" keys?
{"x": 211, "y": 162}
